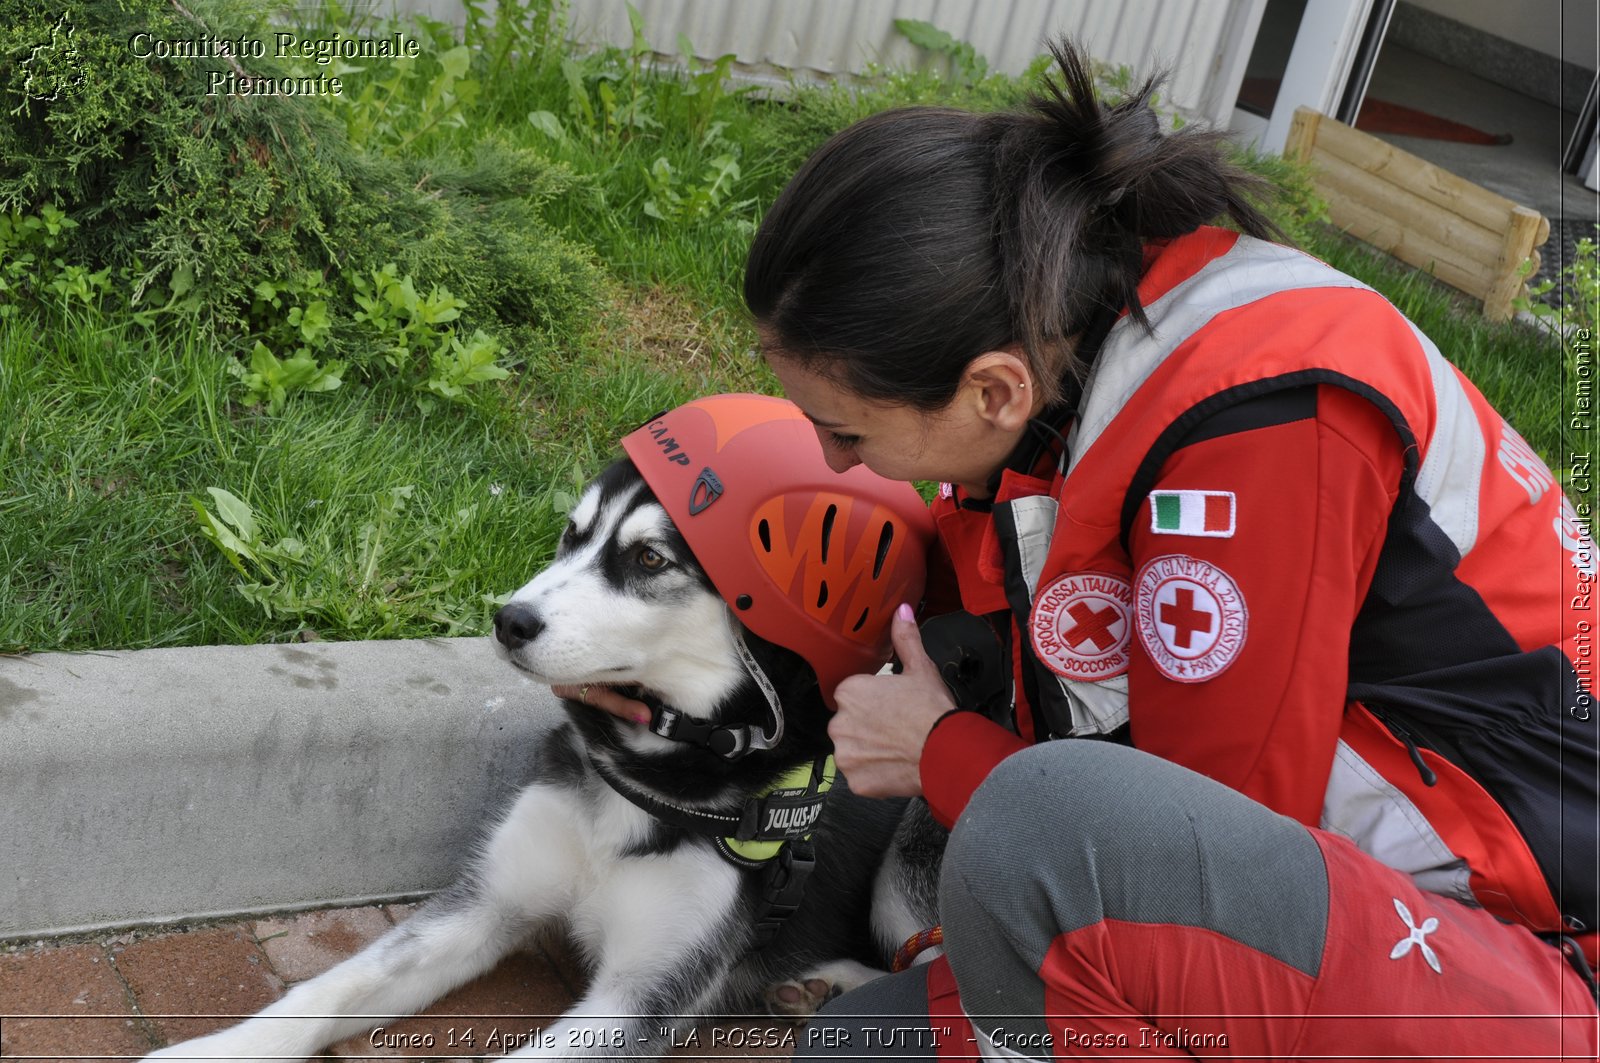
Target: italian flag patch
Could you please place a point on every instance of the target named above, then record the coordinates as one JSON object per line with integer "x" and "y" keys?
{"x": 1204, "y": 513}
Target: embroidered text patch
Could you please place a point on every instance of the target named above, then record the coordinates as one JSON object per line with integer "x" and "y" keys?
{"x": 1192, "y": 618}
{"x": 1081, "y": 625}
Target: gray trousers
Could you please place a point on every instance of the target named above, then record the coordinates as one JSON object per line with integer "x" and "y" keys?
{"x": 1101, "y": 902}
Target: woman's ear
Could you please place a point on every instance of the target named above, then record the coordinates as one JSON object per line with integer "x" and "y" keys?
{"x": 1001, "y": 385}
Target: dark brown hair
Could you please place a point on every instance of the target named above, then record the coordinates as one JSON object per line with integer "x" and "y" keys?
{"x": 919, "y": 238}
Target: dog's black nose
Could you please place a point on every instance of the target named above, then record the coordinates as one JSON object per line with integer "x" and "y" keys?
{"x": 516, "y": 625}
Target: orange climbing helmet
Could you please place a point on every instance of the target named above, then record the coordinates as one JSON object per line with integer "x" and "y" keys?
{"x": 810, "y": 559}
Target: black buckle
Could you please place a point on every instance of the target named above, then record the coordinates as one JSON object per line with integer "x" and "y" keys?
{"x": 783, "y": 886}
{"x": 676, "y": 726}
{"x": 1575, "y": 958}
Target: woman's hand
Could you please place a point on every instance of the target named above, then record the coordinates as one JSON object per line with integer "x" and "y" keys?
{"x": 883, "y": 720}
{"x": 606, "y": 700}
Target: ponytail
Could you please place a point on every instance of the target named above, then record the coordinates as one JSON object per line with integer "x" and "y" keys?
{"x": 1081, "y": 186}
{"x": 917, "y": 239}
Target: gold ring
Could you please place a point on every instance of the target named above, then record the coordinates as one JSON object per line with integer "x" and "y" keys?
{"x": 583, "y": 693}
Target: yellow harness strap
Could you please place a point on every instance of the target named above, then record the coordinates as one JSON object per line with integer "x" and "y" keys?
{"x": 801, "y": 781}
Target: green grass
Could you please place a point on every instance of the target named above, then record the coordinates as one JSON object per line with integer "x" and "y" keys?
{"x": 374, "y": 519}
{"x": 105, "y": 439}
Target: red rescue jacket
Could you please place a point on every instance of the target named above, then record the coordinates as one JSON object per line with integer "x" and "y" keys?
{"x": 1287, "y": 545}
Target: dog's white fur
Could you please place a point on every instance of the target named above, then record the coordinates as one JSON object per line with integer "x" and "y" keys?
{"x": 561, "y": 855}
{"x": 597, "y": 635}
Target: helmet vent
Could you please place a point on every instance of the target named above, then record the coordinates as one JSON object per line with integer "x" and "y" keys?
{"x": 862, "y": 619}
{"x": 765, "y": 531}
{"x": 827, "y": 530}
{"x": 822, "y": 594}
{"x": 885, "y": 540}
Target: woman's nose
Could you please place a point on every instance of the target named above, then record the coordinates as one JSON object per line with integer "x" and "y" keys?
{"x": 838, "y": 458}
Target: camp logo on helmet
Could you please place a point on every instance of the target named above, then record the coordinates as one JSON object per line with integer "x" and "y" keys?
{"x": 670, "y": 449}
{"x": 706, "y": 490}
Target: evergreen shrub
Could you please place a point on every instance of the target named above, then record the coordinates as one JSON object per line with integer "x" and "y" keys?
{"x": 196, "y": 204}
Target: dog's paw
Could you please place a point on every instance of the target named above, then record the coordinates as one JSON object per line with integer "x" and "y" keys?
{"x": 797, "y": 1001}
{"x": 799, "y": 998}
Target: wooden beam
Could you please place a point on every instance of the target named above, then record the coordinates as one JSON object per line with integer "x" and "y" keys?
{"x": 1468, "y": 243}
{"x": 1528, "y": 229}
{"x": 1302, "y": 134}
{"x": 1473, "y": 202}
{"x": 1391, "y": 235}
{"x": 1465, "y": 235}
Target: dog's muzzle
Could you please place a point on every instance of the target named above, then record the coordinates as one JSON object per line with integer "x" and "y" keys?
{"x": 516, "y": 625}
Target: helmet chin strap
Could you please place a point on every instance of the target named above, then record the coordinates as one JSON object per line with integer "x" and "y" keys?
{"x": 729, "y": 742}
{"x": 759, "y": 739}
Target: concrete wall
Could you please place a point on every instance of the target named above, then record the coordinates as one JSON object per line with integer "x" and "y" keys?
{"x": 1544, "y": 49}
{"x": 1564, "y": 29}
{"x": 166, "y": 784}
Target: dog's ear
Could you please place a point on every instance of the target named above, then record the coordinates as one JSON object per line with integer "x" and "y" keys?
{"x": 619, "y": 476}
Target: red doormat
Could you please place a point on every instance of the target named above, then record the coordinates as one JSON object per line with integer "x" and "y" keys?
{"x": 1379, "y": 116}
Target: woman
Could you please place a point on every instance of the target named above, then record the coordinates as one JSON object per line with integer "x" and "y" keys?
{"x": 1225, "y": 510}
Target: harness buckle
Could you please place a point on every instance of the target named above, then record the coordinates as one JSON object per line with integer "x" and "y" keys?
{"x": 669, "y": 723}
{"x": 783, "y": 886}
{"x": 664, "y": 720}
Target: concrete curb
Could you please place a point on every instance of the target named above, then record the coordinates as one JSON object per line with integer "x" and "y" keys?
{"x": 159, "y": 785}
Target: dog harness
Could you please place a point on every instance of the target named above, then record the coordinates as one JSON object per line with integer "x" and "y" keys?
{"x": 771, "y": 831}
{"x": 773, "y": 827}
{"x": 784, "y": 811}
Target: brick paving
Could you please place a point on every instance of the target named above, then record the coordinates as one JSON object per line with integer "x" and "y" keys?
{"x": 118, "y": 996}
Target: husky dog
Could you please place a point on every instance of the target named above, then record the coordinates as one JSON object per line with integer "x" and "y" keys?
{"x": 629, "y": 840}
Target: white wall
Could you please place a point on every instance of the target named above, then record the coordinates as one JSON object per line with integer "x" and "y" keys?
{"x": 1203, "y": 42}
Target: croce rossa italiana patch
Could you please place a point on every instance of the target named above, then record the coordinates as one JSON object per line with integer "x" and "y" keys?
{"x": 1081, "y": 627}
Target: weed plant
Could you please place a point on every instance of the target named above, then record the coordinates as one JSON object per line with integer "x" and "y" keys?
{"x": 1578, "y": 284}
{"x": 366, "y": 520}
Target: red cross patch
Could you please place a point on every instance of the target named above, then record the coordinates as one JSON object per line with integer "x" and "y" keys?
{"x": 1192, "y": 619}
{"x": 1081, "y": 625}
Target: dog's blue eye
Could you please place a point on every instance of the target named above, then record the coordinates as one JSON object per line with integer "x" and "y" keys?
{"x": 650, "y": 560}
